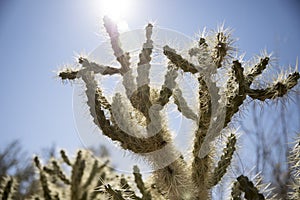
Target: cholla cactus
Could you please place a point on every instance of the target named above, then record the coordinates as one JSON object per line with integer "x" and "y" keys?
{"x": 89, "y": 178}
{"x": 8, "y": 188}
{"x": 175, "y": 177}
{"x": 87, "y": 173}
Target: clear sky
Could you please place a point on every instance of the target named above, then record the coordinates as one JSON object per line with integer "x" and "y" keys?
{"x": 39, "y": 36}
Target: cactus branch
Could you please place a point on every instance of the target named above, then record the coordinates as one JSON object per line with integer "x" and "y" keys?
{"x": 7, "y": 192}
{"x": 222, "y": 47}
{"x": 168, "y": 86}
{"x": 279, "y": 89}
{"x": 59, "y": 172}
{"x": 93, "y": 172}
{"x": 257, "y": 70}
{"x": 201, "y": 166}
{"x": 140, "y": 184}
{"x": 76, "y": 177}
{"x": 65, "y": 157}
{"x": 224, "y": 162}
{"x": 179, "y": 61}
{"x": 122, "y": 58}
{"x": 116, "y": 195}
{"x": 43, "y": 180}
{"x": 145, "y": 58}
{"x": 235, "y": 95}
{"x": 235, "y": 191}
{"x": 251, "y": 192}
{"x": 72, "y": 74}
{"x": 182, "y": 105}
{"x": 141, "y": 97}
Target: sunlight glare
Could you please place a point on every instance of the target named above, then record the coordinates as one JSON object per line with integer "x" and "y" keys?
{"x": 117, "y": 10}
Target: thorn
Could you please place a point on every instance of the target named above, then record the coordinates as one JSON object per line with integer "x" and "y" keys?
{"x": 296, "y": 67}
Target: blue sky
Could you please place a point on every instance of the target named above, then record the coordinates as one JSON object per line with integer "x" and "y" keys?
{"x": 39, "y": 36}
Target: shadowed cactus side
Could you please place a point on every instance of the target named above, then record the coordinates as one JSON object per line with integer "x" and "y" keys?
{"x": 218, "y": 103}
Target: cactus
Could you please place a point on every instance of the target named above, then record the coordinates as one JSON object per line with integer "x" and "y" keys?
{"x": 174, "y": 176}
{"x": 87, "y": 173}
{"x": 8, "y": 188}
{"x": 182, "y": 178}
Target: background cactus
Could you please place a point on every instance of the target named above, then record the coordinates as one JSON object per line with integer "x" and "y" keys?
{"x": 16, "y": 172}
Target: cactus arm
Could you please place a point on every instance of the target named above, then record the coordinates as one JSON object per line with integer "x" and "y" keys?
{"x": 235, "y": 191}
{"x": 122, "y": 58}
{"x": 222, "y": 47}
{"x": 7, "y": 188}
{"x": 116, "y": 195}
{"x": 43, "y": 180}
{"x": 141, "y": 97}
{"x": 201, "y": 166}
{"x": 178, "y": 60}
{"x": 224, "y": 162}
{"x": 257, "y": 70}
{"x": 59, "y": 172}
{"x": 72, "y": 74}
{"x": 140, "y": 184}
{"x": 168, "y": 86}
{"x": 182, "y": 105}
{"x": 235, "y": 95}
{"x": 278, "y": 89}
{"x": 78, "y": 168}
{"x": 251, "y": 192}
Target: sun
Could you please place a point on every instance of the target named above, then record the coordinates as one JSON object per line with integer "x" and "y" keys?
{"x": 117, "y": 10}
